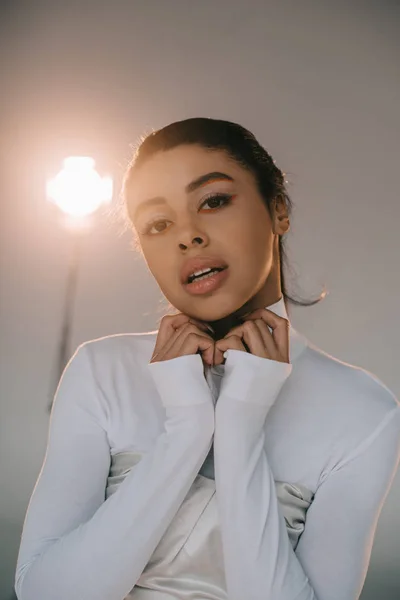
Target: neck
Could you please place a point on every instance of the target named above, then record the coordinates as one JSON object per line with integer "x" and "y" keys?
{"x": 270, "y": 293}
{"x": 260, "y": 300}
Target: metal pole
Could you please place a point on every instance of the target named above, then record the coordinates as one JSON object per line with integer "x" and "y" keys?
{"x": 63, "y": 350}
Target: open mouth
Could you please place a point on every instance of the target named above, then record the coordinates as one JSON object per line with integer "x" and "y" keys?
{"x": 204, "y": 274}
{"x": 208, "y": 281}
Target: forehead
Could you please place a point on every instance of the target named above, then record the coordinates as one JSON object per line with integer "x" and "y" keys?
{"x": 172, "y": 170}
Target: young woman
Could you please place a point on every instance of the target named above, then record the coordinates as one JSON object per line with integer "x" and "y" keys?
{"x": 222, "y": 456}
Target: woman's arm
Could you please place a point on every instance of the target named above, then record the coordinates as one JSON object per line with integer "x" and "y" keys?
{"x": 335, "y": 547}
{"x": 75, "y": 544}
{"x": 332, "y": 556}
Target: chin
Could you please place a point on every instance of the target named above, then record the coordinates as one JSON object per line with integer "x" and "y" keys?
{"x": 215, "y": 311}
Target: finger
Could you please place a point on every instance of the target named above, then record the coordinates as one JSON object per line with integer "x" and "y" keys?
{"x": 268, "y": 316}
{"x": 251, "y": 337}
{"x": 280, "y": 329}
{"x": 267, "y": 339}
{"x": 169, "y": 326}
{"x": 206, "y": 349}
{"x": 191, "y": 325}
{"x": 233, "y": 342}
{"x": 175, "y": 343}
{"x": 197, "y": 342}
{"x": 254, "y": 340}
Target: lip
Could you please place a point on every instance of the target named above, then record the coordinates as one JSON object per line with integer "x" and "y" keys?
{"x": 210, "y": 284}
{"x": 198, "y": 263}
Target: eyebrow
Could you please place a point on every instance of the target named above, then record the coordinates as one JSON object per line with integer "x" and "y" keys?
{"x": 207, "y": 178}
{"x": 191, "y": 187}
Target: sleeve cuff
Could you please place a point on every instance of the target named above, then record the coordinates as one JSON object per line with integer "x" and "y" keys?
{"x": 253, "y": 379}
{"x": 180, "y": 381}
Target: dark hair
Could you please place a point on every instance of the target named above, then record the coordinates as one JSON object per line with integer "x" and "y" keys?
{"x": 240, "y": 145}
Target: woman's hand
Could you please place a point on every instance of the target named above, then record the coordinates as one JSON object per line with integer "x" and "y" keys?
{"x": 255, "y": 335}
{"x": 179, "y": 335}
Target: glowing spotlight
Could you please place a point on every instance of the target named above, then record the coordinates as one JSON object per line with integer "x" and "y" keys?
{"x": 78, "y": 190}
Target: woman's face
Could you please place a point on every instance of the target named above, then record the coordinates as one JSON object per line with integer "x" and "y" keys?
{"x": 222, "y": 216}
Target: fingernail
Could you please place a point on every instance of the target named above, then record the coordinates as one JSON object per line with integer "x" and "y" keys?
{"x": 245, "y": 315}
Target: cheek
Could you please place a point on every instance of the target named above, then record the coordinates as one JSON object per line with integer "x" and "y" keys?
{"x": 164, "y": 271}
{"x": 156, "y": 259}
{"x": 252, "y": 232}
{"x": 253, "y": 246}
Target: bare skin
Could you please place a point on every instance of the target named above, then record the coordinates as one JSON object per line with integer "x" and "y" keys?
{"x": 183, "y": 224}
{"x": 179, "y": 335}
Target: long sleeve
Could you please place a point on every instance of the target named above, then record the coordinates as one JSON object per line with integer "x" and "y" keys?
{"x": 331, "y": 559}
{"x": 76, "y": 544}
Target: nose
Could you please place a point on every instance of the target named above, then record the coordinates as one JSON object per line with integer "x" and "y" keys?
{"x": 191, "y": 236}
{"x": 198, "y": 240}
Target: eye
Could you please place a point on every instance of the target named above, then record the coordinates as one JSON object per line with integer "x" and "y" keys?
{"x": 216, "y": 200}
{"x": 155, "y": 224}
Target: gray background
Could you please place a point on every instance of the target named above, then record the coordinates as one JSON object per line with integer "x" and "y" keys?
{"x": 318, "y": 82}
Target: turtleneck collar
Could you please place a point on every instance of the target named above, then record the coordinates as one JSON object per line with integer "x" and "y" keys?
{"x": 279, "y": 308}
{"x": 297, "y": 342}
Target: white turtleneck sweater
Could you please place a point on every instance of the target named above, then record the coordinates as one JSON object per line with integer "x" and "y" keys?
{"x": 329, "y": 425}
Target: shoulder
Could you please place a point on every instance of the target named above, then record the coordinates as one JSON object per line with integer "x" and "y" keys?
{"x": 352, "y": 383}
{"x": 112, "y": 348}
{"x": 113, "y": 373}
{"x": 116, "y": 357}
{"x": 347, "y": 402}
{"x": 331, "y": 411}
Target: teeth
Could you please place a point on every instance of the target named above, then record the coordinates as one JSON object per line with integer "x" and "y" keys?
{"x": 203, "y": 273}
{"x": 200, "y": 272}
{"x": 203, "y": 276}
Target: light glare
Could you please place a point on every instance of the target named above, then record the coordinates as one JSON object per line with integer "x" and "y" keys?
{"x": 78, "y": 190}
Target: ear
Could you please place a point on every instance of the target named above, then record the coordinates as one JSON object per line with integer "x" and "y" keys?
{"x": 280, "y": 217}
